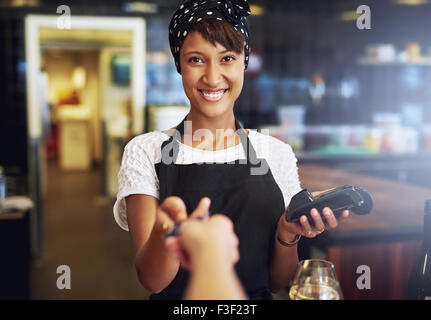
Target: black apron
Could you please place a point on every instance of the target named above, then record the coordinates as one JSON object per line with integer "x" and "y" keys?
{"x": 253, "y": 202}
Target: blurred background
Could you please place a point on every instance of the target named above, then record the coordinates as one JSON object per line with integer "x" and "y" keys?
{"x": 79, "y": 79}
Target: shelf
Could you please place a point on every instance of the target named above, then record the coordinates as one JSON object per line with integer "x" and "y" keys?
{"x": 373, "y": 62}
{"x": 11, "y": 215}
{"x": 313, "y": 156}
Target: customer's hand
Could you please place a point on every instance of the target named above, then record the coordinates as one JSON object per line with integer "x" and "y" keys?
{"x": 288, "y": 230}
{"x": 212, "y": 239}
{"x": 209, "y": 249}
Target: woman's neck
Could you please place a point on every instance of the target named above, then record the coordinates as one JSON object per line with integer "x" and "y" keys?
{"x": 210, "y": 133}
{"x": 221, "y": 123}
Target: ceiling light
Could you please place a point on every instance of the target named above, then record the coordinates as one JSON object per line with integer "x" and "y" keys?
{"x": 411, "y": 2}
{"x": 256, "y": 10}
{"x": 139, "y": 6}
{"x": 348, "y": 15}
{"x": 24, "y": 3}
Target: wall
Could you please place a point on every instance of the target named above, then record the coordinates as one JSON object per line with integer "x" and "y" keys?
{"x": 115, "y": 101}
{"x": 13, "y": 121}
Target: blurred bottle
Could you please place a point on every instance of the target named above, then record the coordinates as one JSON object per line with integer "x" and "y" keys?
{"x": 317, "y": 88}
{"x": 373, "y": 140}
{"x": 414, "y": 52}
{"x": 2, "y": 188}
{"x": 419, "y": 287}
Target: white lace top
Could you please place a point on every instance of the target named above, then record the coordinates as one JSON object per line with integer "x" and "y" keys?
{"x": 137, "y": 174}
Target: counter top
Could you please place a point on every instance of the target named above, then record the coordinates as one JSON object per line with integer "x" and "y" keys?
{"x": 397, "y": 214}
{"x": 11, "y": 215}
{"x": 313, "y": 156}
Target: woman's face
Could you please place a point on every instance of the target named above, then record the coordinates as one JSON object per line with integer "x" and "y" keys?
{"x": 212, "y": 76}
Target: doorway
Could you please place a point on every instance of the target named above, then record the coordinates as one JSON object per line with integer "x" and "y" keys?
{"x": 85, "y": 94}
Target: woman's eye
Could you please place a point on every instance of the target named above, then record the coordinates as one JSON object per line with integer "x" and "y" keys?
{"x": 194, "y": 59}
{"x": 229, "y": 58}
{"x": 198, "y": 60}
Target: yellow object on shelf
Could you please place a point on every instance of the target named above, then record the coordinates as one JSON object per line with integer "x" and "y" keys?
{"x": 373, "y": 140}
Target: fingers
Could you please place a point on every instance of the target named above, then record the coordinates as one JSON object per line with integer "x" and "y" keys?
{"x": 320, "y": 221}
{"x": 174, "y": 208}
{"x": 197, "y": 237}
{"x": 225, "y": 226}
{"x": 202, "y": 209}
{"x": 164, "y": 222}
{"x": 344, "y": 215}
{"x": 306, "y": 229}
{"x": 290, "y": 227}
{"x": 218, "y": 222}
{"x": 222, "y": 221}
{"x": 319, "y": 225}
{"x": 331, "y": 220}
{"x": 235, "y": 252}
{"x": 175, "y": 245}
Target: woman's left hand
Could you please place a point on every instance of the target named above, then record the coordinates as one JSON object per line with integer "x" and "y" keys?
{"x": 288, "y": 230}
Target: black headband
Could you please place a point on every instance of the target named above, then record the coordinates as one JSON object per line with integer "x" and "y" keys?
{"x": 192, "y": 11}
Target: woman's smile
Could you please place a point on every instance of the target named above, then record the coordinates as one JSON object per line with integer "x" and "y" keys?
{"x": 212, "y": 95}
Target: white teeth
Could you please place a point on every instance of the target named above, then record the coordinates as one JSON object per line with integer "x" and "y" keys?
{"x": 213, "y": 95}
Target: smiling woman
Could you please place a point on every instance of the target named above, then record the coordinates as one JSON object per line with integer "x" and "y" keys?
{"x": 212, "y": 75}
{"x": 209, "y": 41}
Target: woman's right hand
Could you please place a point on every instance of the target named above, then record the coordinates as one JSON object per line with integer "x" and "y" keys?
{"x": 148, "y": 222}
{"x": 173, "y": 210}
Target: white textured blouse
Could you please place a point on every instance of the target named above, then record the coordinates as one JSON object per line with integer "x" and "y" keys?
{"x": 137, "y": 173}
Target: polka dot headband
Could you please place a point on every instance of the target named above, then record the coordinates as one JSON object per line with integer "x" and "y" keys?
{"x": 192, "y": 11}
